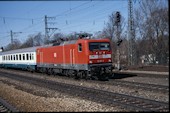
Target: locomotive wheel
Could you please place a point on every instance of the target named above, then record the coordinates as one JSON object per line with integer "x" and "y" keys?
{"x": 80, "y": 74}
{"x": 77, "y": 75}
{"x": 84, "y": 75}
{"x": 94, "y": 77}
{"x": 48, "y": 71}
{"x": 88, "y": 75}
{"x": 103, "y": 78}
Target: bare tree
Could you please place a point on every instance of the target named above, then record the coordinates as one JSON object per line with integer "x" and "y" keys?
{"x": 16, "y": 44}
{"x": 33, "y": 40}
{"x": 110, "y": 32}
{"x": 38, "y": 40}
{"x": 151, "y": 25}
{"x": 28, "y": 43}
{"x": 57, "y": 39}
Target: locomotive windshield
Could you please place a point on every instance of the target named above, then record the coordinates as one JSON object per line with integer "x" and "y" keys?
{"x": 99, "y": 46}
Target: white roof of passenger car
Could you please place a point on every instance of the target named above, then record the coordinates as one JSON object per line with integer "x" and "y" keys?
{"x": 23, "y": 50}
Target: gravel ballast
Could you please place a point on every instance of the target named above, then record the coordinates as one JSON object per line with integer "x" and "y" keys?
{"x": 27, "y": 97}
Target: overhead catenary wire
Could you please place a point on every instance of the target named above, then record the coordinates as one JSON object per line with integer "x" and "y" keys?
{"x": 85, "y": 23}
{"x": 31, "y": 26}
{"x": 32, "y": 19}
{"x": 70, "y": 12}
{"x": 27, "y": 30}
{"x": 94, "y": 19}
{"x": 63, "y": 13}
{"x": 17, "y": 18}
{"x": 73, "y": 12}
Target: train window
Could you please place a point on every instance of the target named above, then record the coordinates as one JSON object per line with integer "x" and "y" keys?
{"x": 8, "y": 57}
{"x": 27, "y": 56}
{"x": 79, "y": 47}
{"x": 104, "y": 46}
{"x": 94, "y": 46}
{"x": 11, "y": 57}
{"x": 23, "y": 56}
{"x": 99, "y": 46}
{"x": 16, "y": 57}
{"x": 3, "y": 57}
{"x": 32, "y": 56}
{"x": 19, "y": 56}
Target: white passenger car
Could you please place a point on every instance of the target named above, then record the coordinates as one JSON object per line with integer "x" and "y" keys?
{"x": 20, "y": 58}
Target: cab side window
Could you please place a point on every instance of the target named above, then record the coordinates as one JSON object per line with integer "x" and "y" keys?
{"x": 79, "y": 47}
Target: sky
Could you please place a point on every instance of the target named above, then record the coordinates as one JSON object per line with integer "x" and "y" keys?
{"x": 26, "y": 18}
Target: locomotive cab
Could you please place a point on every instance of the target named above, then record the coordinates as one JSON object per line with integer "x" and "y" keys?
{"x": 99, "y": 52}
{"x": 100, "y": 60}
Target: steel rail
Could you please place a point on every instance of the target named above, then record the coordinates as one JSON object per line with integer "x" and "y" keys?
{"x": 136, "y": 85}
{"x": 6, "y": 107}
{"x": 101, "y": 96}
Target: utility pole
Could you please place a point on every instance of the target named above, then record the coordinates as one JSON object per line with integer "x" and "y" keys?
{"x": 131, "y": 36}
{"x": 117, "y": 23}
{"x": 47, "y": 29}
{"x": 12, "y": 34}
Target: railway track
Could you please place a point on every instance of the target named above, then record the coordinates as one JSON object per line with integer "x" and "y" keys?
{"x": 6, "y": 107}
{"x": 96, "y": 95}
{"x": 149, "y": 75}
{"x": 137, "y": 85}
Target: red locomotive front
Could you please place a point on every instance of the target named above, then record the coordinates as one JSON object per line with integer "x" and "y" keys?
{"x": 100, "y": 61}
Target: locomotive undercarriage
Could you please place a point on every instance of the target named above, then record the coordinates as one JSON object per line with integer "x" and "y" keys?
{"x": 103, "y": 71}
{"x": 77, "y": 74}
{"x": 94, "y": 71}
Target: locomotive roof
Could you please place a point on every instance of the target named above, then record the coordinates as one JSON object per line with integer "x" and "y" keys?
{"x": 68, "y": 42}
{"x": 74, "y": 41}
{"x": 30, "y": 49}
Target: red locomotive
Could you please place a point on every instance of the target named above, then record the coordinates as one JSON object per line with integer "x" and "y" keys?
{"x": 82, "y": 58}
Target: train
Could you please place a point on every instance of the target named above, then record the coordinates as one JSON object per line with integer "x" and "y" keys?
{"x": 81, "y": 58}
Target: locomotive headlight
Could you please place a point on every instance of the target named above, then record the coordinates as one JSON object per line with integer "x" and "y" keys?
{"x": 109, "y": 60}
{"x": 90, "y": 62}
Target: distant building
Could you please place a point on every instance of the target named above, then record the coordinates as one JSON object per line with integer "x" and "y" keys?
{"x": 148, "y": 59}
